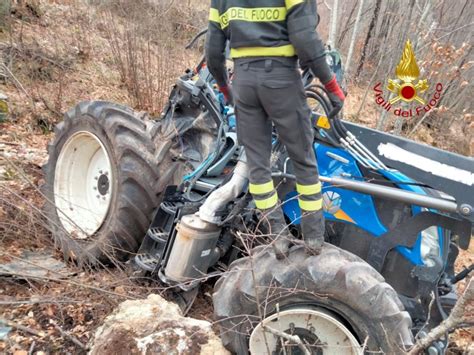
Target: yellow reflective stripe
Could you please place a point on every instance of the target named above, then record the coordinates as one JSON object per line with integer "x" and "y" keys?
{"x": 290, "y": 3}
{"x": 255, "y": 14}
{"x": 260, "y": 189}
{"x": 267, "y": 202}
{"x": 311, "y": 205}
{"x": 282, "y": 51}
{"x": 214, "y": 15}
{"x": 308, "y": 189}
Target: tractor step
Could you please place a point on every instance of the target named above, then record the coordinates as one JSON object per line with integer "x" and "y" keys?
{"x": 153, "y": 246}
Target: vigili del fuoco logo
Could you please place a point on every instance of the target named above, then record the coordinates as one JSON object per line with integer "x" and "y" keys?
{"x": 407, "y": 88}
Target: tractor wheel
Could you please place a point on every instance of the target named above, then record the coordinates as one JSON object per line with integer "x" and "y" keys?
{"x": 334, "y": 302}
{"x": 102, "y": 181}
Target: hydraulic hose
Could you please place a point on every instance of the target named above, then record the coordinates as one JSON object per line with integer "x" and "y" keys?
{"x": 345, "y": 137}
{"x": 312, "y": 92}
{"x": 195, "y": 38}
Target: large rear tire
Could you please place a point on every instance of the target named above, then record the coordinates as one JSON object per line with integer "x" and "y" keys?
{"x": 335, "y": 301}
{"x": 106, "y": 170}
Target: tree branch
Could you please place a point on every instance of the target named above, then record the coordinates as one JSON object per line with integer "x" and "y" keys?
{"x": 293, "y": 338}
{"x": 455, "y": 320}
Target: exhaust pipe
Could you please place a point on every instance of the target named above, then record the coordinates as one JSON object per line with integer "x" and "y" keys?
{"x": 226, "y": 193}
{"x": 195, "y": 246}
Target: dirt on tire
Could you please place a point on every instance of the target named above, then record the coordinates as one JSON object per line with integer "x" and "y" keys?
{"x": 335, "y": 280}
{"x": 142, "y": 169}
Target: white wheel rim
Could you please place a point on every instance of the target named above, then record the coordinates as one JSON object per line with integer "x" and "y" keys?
{"x": 328, "y": 334}
{"x": 83, "y": 184}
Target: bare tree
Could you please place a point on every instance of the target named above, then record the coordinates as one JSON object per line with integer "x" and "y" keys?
{"x": 348, "y": 24}
{"x": 372, "y": 24}
{"x": 354, "y": 36}
{"x": 333, "y": 28}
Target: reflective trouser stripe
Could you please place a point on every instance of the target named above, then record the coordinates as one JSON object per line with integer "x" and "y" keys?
{"x": 264, "y": 195}
{"x": 281, "y": 51}
{"x": 309, "y": 198}
{"x": 308, "y": 189}
{"x": 310, "y": 205}
{"x": 266, "y": 203}
{"x": 260, "y": 189}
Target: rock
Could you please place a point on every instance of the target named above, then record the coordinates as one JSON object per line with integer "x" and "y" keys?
{"x": 35, "y": 264}
{"x": 154, "y": 326}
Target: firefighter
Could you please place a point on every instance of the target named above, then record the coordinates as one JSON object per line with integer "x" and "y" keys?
{"x": 266, "y": 40}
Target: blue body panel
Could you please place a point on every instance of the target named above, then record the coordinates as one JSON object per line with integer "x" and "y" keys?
{"x": 359, "y": 207}
{"x": 350, "y": 206}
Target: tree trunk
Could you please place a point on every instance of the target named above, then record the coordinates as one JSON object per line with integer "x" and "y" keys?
{"x": 333, "y": 28}
{"x": 347, "y": 26}
{"x": 424, "y": 15}
{"x": 372, "y": 24}
{"x": 399, "y": 121}
{"x": 354, "y": 36}
{"x": 457, "y": 19}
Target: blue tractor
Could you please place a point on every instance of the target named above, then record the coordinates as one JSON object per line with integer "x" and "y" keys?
{"x": 170, "y": 194}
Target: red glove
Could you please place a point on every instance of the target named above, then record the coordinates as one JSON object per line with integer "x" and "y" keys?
{"x": 227, "y": 92}
{"x": 336, "y": 96}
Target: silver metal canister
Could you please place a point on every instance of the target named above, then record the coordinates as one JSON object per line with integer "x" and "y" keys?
{"x": 192, "y": 249}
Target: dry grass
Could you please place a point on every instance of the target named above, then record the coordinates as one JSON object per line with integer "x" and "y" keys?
{"x": 48, "y": 74}
{"x": 147, "y": 51}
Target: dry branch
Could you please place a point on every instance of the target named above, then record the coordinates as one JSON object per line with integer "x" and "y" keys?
{"x": 22, "y": 327}
{"x": 456, "y": 319}
{"x": 70, "y": 337}
{"x": 293, "y": 338}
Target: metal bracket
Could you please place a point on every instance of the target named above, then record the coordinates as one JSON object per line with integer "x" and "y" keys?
{"x": 406, "y": 234}
{"x": 439, "y": 161}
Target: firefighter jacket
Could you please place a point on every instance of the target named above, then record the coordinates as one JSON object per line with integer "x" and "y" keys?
{"x": 265, "y": 28}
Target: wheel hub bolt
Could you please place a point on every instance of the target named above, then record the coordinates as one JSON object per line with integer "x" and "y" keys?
{"x": 103, "y": 184}
{"x": 466, "y": 209}
{"x": 292, "y": 327}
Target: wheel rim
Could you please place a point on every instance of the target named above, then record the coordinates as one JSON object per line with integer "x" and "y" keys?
{"x": 318, "y": 329}
{"x": 83, "y": 184}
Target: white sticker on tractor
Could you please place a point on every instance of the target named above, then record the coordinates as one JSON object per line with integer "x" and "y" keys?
{"x": 392, "y": 152}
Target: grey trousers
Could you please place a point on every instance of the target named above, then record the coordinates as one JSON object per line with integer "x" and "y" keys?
{"x": 266, "y": 92}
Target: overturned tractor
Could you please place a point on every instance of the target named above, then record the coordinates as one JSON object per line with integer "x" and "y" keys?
{"x": 171, "y": 195}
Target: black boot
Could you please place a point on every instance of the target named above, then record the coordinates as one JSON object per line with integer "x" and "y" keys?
{"x": 274, "y": 221}
{"x": 312, "y": 227}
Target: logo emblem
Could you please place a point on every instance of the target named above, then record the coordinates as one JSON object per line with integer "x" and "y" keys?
{"x": 407, "y": 72}
{"x": 331, "y": 202}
